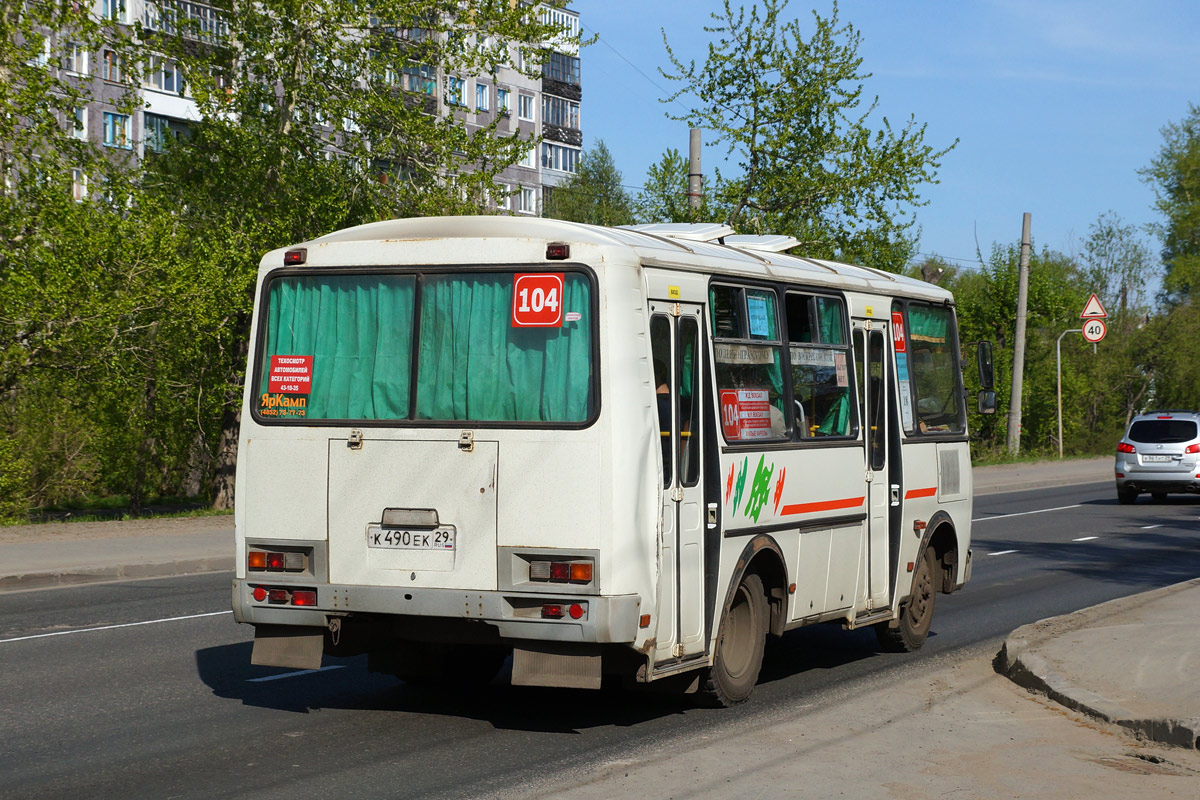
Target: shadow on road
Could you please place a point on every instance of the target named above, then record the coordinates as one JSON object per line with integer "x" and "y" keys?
{"x": 226, "y": 670}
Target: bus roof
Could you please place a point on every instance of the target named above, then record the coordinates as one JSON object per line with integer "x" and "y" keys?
{"x": 697, "y": 247}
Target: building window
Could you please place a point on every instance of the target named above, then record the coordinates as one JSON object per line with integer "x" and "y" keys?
{"x": 503, "y": 101}
{"x": 112, "y": 67}
{"x": 559, "y": 111}
{"x": 527, "y": 201}
{"x": 559, "y": 67}
{"x": 455, "y": 91}
{"x": 163, "y": 75}
{"x": 525, "y": 106}
{"x": 116, "y": 130}
{"x": 77, "y": 58}
{"x": 555, "y": 156}
{"x": 419, "y": 78}
{"x": 481, "y": 97}
{"x": 79, "y": 124}
{"x": 78, "y": 185}
{"x": 529, "y": 159}
{"x": 156, "y": 130}
{"x": 504, "y": 202}
{"x": 113, "y": 9}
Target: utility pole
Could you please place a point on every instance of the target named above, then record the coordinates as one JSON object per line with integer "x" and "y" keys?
{"x": 694, "y": 174}
{"x": 1014, "y": 403}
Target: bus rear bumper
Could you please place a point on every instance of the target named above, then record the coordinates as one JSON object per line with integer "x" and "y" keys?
{"x": 515, "y": 615}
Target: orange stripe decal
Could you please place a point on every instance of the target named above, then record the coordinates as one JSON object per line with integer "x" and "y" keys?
{"x": 824, "y": 505}
{"x": 911, "y": 493}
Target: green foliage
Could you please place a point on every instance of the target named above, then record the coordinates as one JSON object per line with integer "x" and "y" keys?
{"x": 593, "y": 194}
{"x": 665, "y": 197}
{"x": 790, "y": 111}
{"x": 1175, "y": 175}
{"x": 124, "y": 318}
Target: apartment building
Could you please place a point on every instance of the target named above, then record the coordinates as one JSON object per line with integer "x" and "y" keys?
{"x": 546, "y": 106}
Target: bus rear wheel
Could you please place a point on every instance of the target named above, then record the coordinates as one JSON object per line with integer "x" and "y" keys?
{"x": 908, "y": 633}
{"x": 740, "y": 642}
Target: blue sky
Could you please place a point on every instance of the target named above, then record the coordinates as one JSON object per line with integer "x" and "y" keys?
{"x": 1056, "y": 104}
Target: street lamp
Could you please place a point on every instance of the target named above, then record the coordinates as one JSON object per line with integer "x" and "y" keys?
{"x": 1058, "y": 367}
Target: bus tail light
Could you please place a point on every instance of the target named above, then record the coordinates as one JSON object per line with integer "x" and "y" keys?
{"x": 560, "y": 610}
{"x": 304, "y": 597}
{"x": 1125, "y": 447}
{"x": 277, "y": 597}
{"x": 275, "y": 562}
{"x": 561, "y": 571}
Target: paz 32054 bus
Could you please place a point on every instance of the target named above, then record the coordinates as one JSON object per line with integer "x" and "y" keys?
{"x": 631, "y": 451}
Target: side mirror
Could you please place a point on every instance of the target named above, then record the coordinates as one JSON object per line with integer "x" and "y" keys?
{"x": 986, "y": 401}
{"x": 987, "y": 371}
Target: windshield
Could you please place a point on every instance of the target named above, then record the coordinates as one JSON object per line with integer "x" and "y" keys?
{"x": 343, "y": 347}
{"x": 1162, "y": 431}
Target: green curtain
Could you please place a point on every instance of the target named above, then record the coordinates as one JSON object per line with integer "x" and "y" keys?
{"x": 829, "y": 319}
{"x": 358, "y": 329}
{"x": 837, "y": 418}
{"x": 474, "y": 365}
{"x": 928, "y": 324}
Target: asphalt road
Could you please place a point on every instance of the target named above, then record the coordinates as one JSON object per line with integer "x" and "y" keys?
{"x": 145, "y": 689}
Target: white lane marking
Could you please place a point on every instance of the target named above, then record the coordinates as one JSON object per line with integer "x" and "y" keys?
{"x": 1150, "y": 527}
{"x": 1023, "y": 513}
{"x": 111, "y": 627}
{"x": 1085, "y": 538}
{"x": 294, "y": 674}
{"x": 1002, "y": 552}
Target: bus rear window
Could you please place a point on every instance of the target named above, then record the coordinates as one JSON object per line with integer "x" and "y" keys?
{"x": 344, "y": 347}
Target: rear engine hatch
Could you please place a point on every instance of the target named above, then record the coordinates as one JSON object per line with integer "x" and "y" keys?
{"x": 413, "y": 513}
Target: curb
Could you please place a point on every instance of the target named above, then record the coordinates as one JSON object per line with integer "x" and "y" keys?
{"x": 76, "y": 577}
{"x": 1018, "y": 662}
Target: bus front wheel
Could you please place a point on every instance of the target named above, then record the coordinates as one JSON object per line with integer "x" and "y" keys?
{"x": 908, "y": 633}
{"x": 740, "y": 642}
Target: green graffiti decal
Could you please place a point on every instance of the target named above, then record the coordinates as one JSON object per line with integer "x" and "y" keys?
{"x": 761, "y": 491}
{"x": 741, "y": 484}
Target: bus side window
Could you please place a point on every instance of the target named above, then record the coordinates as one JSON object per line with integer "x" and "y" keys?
{"x": 660, "y": 348}
{"x": 820, "y": 369}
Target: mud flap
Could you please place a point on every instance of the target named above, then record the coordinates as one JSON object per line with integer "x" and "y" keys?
{"x": 294, "y": 646}
{"x": 560, "y": 666}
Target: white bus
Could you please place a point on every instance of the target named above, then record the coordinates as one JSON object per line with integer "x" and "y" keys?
{"x": 631, "y": 452}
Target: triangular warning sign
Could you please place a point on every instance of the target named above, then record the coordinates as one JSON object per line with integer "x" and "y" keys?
{"x": 1093, "y": 309}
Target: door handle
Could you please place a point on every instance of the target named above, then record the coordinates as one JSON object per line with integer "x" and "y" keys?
{"x": 895, "y": 494}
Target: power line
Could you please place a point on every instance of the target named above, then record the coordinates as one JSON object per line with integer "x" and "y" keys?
{"x": 638, "y": 69}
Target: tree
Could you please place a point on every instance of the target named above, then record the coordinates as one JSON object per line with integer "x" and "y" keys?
{"x": 790, "y": 111}
{"x": 664, "y": 197}
{"x": 1175, "y": 176}
{"x": 1117, "y": 264}
{"x": 593, "y": 194}
{"x": 324, "y": 115}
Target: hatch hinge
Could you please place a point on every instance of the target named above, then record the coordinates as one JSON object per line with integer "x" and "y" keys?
{"x": 355, "y": 442}
{"x": 466, "y": 441}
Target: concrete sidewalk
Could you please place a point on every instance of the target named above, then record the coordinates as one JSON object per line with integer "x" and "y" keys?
{"x": 1131, "y": 661}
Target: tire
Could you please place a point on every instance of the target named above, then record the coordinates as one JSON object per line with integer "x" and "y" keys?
{"x": 1126, "y": 496}
{"x": 740, "y": 642}
{"x": 909, "y": 632}
{"x": 1158, "y": 496}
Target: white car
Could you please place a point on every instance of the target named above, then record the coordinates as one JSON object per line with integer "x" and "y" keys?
{"x": 1160, "y": 453}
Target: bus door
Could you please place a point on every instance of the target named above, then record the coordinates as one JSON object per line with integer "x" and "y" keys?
{"x": 870, "y": 353}
{"x": 675, "y": 338}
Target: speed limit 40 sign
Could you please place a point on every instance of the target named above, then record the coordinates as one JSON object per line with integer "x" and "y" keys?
{"x": 1094, "y": 330}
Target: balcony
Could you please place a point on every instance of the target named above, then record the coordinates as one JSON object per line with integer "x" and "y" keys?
{"x": 193, "y": 20}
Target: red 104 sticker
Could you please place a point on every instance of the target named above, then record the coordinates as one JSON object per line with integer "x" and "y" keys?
{"x": 537, "y": 300}
{"x": 898, "y": 332}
